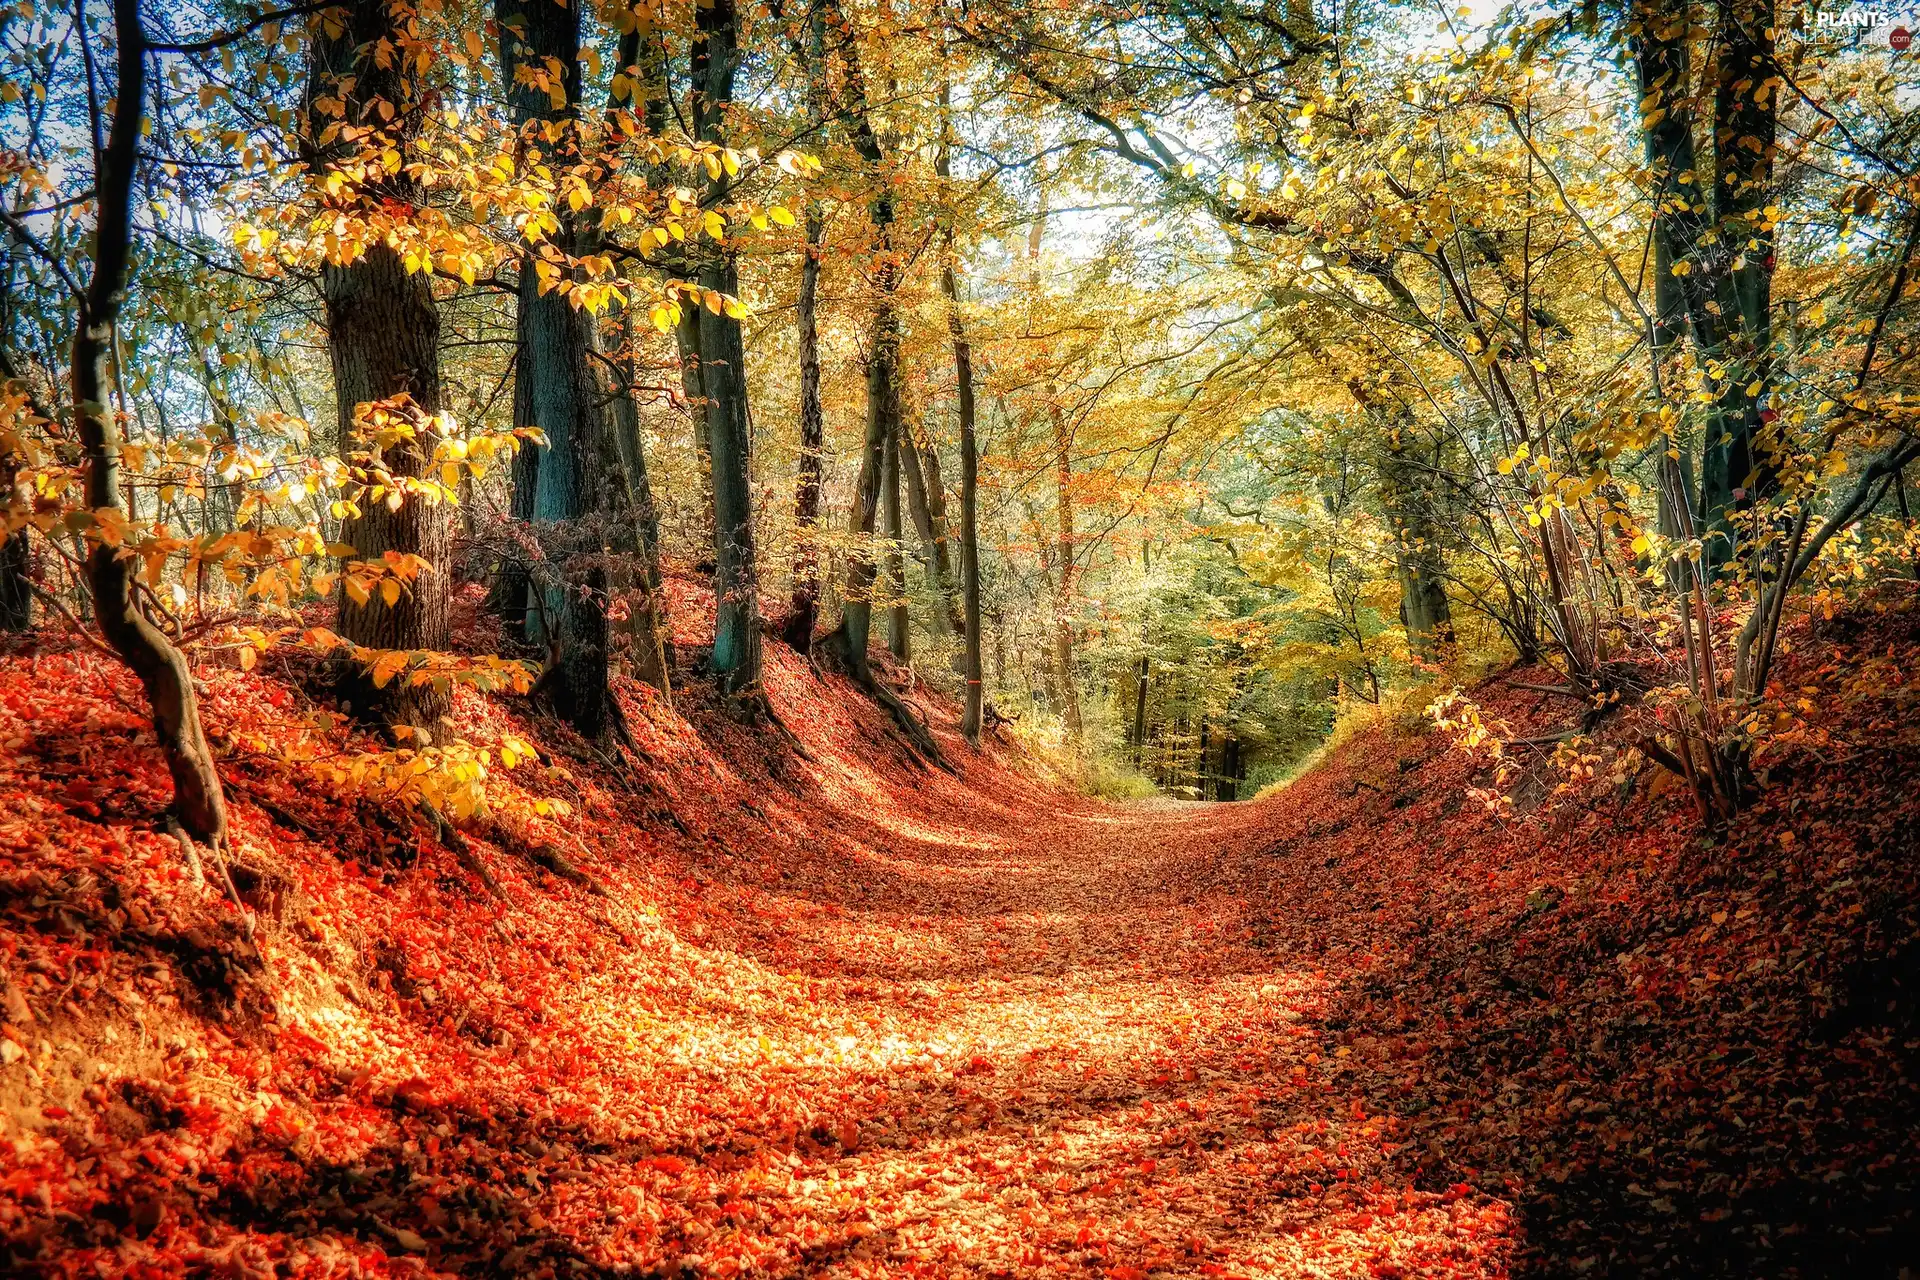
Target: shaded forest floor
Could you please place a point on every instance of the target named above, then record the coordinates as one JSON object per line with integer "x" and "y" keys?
{"x": 849, "y": 1016}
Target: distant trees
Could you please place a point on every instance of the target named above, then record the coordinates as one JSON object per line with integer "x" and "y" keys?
{"x": 943, "y": 313}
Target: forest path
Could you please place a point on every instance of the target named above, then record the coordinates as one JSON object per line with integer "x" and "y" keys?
{"x": 1080, "y": 1050}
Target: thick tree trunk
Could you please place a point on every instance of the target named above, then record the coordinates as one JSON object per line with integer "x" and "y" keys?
{"x": 16, "y": 554}
{"x": 1406, "y": 494}
{"x": 16, "y": 578}
{"x": 198, "y": 800}
{"x": 1738, "y": 469}
{"x": 1726, "y": 253}
{"x": 1228, "y": 785}
{"x": 558, "y": 387}
{"x": 723, "y": 376}
{"x": 883, "y": 411}
{"x": 1203, "y": 763}
{"x": 383, "y": 334}
{"x": 736, "y": 634}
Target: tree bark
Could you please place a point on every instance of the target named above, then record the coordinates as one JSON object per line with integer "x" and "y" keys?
{"x": 1227, "y": 786}
{"x": 975, "y": 702}
{"x": 1140, "y": 710}
{"x": 899, "y": 640}
{"x": 383, "y": 334}
{"x": 736, "y": 633}
{"x": 1063, "y": 637}
{"x": 1738, "y": 469}
{"x": 1724, "y": 251}
{"x": 558, "y": 387}
{"x": 1407, "y": 496}
{"x": 198, "y": 799}
{"x": 920, "y": 468}
{"x": 803, "y": 613}
{"x": 652, "y": 642}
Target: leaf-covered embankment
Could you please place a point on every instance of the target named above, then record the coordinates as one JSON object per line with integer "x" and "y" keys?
{"x": 848, "y": 1015}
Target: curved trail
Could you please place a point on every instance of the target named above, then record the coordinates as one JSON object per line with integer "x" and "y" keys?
{"x": 1070, "y": 1046}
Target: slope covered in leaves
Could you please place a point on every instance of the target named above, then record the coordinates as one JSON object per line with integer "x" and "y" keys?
{"x": 777, "y": 1014}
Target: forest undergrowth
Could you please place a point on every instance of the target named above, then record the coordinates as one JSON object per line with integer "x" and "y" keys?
{"x": 753, "y": 1012}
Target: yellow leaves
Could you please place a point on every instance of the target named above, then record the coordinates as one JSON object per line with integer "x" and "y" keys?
{"x": 386, "y": 667}
{"x": 798, "y": 163}
{"x": 781, "y": 215}
{"x": 540, "y": 225}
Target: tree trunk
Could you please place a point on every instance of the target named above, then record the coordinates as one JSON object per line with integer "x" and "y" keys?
{"x": 1202, "y": 766}
{"x": 1726, "y": 253}
{"x": 1663, "y": 64}
{"x": 558, "y": 387}
{"x": 899, "y": 641}
{"x": 883, "y": 410}
{"x": 198, "y": 800}
{"x": 1738, "y": 469}
{"x": 647, "y": 625}
{"x": 803, "y": 613}
{"x": 1063, "y": 639}
{"x": 1228, "y": 783}
{"x": 723, "y": 377}
{"x": 921, "y": 469}
{"x": 383, "y": 334}
{"x": 1406, "y": 493}
{"x": 16, "y": 578}
{"x": 975, "y": 703}
{"x": 1140, "y": 710}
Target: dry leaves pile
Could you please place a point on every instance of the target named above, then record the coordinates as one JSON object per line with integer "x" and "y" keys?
{"x": 849, "y": 1016}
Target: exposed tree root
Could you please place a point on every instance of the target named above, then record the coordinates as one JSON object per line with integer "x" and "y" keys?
{"x": 196, "y": 867}
{"x": 463, "y": 850}
{"x": 856, "y": 668}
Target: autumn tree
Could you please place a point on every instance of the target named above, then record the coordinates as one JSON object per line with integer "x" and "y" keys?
{"x": 365, "y": 102}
